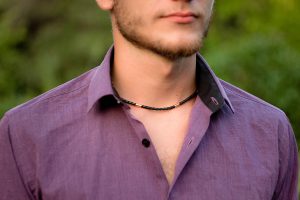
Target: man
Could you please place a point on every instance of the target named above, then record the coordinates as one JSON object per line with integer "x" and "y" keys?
{"x": 151, "y": 122}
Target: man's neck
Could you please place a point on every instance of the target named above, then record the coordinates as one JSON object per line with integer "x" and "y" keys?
{"x": 147, "y": 78}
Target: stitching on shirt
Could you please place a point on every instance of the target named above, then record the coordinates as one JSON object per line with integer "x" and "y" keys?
{"x": 40, "y": 99}
{"x": 85, "y": 77}
{"x": 63, "y": 93}
{"x": 227, "y": 85}
{"x": 30, "y": 195}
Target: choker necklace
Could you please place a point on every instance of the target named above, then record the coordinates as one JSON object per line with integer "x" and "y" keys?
{"x": 156, "y": 108}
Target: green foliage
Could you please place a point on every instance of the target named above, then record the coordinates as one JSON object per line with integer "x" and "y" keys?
{"x": 253, "y": 44}
{"x": 45, "y": 43}
{"x": 256, "y": 46}
{"x": 265, "y": 66}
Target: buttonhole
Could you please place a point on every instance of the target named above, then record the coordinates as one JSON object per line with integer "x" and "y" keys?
{"x": 214, "y": 100}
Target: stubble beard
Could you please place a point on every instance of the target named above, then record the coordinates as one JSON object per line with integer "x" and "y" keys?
{"x": 127, "y": 24}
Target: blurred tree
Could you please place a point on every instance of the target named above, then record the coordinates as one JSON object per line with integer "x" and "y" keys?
{"x": 265, "y": 66}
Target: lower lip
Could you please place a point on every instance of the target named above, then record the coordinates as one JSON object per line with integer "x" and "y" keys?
{"x": 181, "y": 20}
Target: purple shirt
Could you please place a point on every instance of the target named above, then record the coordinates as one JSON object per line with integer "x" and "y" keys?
{"x": 78, "y": 142}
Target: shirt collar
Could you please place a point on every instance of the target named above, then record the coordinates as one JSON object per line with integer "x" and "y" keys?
{"x": 210, "y": 89}
{"x": 100, "y": 85}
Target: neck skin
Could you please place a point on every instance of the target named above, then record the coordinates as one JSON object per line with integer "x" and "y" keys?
{"x": 146, "y": 78}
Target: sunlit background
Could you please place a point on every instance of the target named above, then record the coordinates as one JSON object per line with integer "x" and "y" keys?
{"x": 252, "y": 44}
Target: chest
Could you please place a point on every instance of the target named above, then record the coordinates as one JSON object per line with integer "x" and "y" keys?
{"x": 167, "y": 132}
{"x": 103, "y": 168}
{"x": 168, "y": 145}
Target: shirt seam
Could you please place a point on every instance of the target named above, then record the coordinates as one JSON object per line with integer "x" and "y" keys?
{"x": 29, "y": 194}
{"x": 253, "y": 100}
{"x": 41, "y": 99}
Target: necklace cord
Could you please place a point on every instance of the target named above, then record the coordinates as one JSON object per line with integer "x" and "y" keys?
{"x": 156, "y": 108}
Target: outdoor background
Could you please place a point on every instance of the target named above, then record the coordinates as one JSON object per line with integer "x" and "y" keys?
{"x": 252, "y": 44}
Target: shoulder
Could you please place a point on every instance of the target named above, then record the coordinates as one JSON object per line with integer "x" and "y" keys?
{"x": 243, "y": 100}
{"x": 60, "y": 92}
{"x": 263, "y": 125}
{"x": 264, "y": 130}
{"x": 62, "y": 99}
{"x": 255, "y": 112}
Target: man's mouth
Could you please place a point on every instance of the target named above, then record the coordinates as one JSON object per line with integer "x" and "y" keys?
{"x": 181, "y": 17}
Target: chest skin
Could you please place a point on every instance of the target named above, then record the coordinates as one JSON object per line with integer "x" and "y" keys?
{"x": 167, "y": 130}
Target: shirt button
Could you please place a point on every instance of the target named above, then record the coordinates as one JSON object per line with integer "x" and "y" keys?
{"x": 146, "y": 143}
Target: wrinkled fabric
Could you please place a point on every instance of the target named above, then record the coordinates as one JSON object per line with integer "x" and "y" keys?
{"x": 78, "y": 142}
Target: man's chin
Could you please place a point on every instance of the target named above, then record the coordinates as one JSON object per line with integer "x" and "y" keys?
{"x": 174, "y": 55}
{"x": 174, "y": 52}
{"x": 171, "y": 50}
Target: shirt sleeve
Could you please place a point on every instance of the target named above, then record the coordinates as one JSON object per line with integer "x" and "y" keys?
{"x": 11, "y": 183}
{"x": 287, "y": 184}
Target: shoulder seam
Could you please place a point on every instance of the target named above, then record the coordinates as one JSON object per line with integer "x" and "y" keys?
{"x": 254, "y": 100}
{"x": 63, "y": 93}
{"x": 21, "y": 175}
{"x": 15, "y": 111}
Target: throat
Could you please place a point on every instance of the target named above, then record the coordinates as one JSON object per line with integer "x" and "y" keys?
{"x": 154, "y": 84}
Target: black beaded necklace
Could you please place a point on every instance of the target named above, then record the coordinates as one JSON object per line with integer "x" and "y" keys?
{"x": 156, "y": 108}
